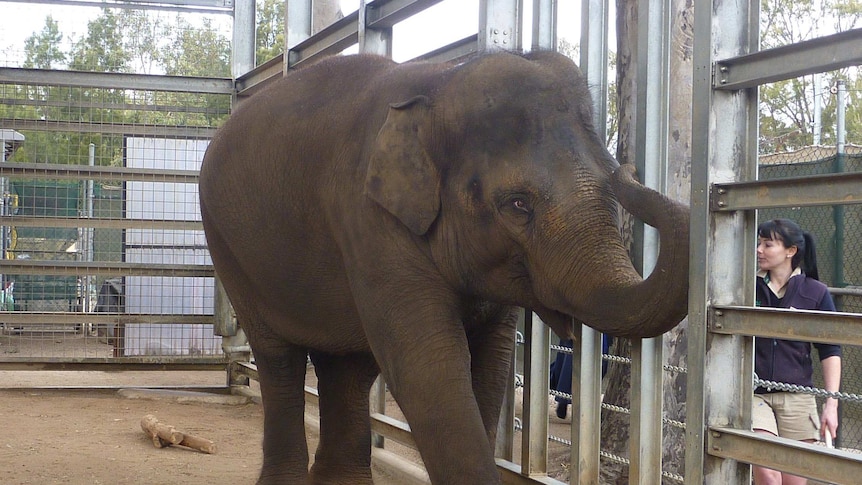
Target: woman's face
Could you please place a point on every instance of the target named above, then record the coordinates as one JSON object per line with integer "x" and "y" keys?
{"x": 772, "y": 254}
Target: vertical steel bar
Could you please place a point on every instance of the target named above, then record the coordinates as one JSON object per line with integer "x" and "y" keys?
{"x": 534, "y": 433}
{"x": 373, "y": 41}
{"x": 651, "y": 129}
{"x": 500, "y": 25}
{"x": 297, "y": 18}
{"x": 242, "y": 50}
{"x": 724, "y": 149}
{"x": 587, "y": 370}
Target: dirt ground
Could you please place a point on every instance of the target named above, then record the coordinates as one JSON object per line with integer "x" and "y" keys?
{"x": 92, "y": 435}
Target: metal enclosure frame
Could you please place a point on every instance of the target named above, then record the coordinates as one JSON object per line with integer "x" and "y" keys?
{"x": 725, "y": 191}
{"x": 728, "y": 67}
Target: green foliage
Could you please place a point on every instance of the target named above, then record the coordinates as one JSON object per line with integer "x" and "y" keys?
{"x": 128, "y": 41}
{"x": 43, "y": 49}
{"x": 787, "y": 107}
{"x": 270, "y": 30}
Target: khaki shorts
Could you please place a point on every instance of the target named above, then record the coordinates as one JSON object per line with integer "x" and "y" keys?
{"x": 787, "y": 414}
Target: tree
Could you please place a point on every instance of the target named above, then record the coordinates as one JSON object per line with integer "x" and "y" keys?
{"x": 787, "y": 107}
{"x": 270, "y": 30}
{"x": 43, "y": 49}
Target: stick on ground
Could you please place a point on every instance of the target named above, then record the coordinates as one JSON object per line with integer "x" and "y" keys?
{"x": 165, "y": 435}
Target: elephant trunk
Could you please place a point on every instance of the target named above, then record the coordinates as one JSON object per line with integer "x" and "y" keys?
{"x": 631, "y": 306}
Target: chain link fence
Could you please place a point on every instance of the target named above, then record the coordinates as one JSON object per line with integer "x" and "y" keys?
{"x": 837, "y": 230}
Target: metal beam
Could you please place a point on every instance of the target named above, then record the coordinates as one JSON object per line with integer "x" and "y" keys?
{"x": 807, "y": 325}
{"x": 386, "y": 13}
{"x": 796, "y": 457}
{"x": 101, "y": 174}
{"x": 191, "y": 6}
{"x": 829, "y": 189}
{"x": 115, "y": 80}
{"x": 152, "y": 362}
{"x": 823, "y": 54}
{"x": 188, "y": 132}
{"x": 100, "y": 223}
{"x": 331, "y": 40}
{"x": 36, "y": 319}
{"x": 260, "y": 77}
{"x": 76, "y": 268}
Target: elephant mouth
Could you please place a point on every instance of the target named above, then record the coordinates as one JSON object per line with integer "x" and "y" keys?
{"x": 560, "y": 323}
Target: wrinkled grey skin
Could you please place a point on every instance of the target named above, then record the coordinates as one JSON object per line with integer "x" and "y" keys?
{"x": 390, "y": 218}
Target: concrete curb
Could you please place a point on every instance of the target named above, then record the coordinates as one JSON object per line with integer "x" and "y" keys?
{"x": 184, "y": 396}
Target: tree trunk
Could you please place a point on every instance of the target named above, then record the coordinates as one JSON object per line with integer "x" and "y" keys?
{"x": 615, "y": 426}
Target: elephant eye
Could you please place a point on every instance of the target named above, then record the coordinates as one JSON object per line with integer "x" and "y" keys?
{"x": 521, "y": 205}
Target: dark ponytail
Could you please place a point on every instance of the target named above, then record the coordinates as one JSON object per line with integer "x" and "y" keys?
{"x": 790, "y": 234}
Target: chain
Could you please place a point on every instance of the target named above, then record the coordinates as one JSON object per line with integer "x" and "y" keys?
{"x": 782, "y": 386}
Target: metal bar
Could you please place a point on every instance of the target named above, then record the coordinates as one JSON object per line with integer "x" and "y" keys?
{"x": 456, "y": 50}
{"x": 723, "y": 147}
{"x": 191, "y": 6}
{"x": 100, "y": 223}
{"x": 331, "y": 40}
{"x": 260, "y": 77}
{"x": 72, "y": 318}
{"x": 75, "y": 268}
{"x": 102, "y": 174}
{"x": 534, "y": 432}
{"x": 816, "y": 462}
{"x": 585, "y": 432}
{"x": 829, "y": 189}
{"x": 195, "y": 132}
{"x": 164, "y": 108}
{"x": 143, "y": 362}
{"x": 115, "y": 80}
{"x": 510, "y": 473}
{"x": 393, "y": 429}
{"x": 500, "y": 25}
{"x": 384, "y": 14}
{"x": 806, "y": 325}
{"x": 790, "y": 61}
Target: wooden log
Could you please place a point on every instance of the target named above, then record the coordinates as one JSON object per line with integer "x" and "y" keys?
{"x": 165, "y": 435}
{"x": 161, "y": 434}
{"x": 198, "y": 443}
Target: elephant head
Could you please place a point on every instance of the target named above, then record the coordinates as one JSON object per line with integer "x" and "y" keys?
{"x": 500, "y": 169}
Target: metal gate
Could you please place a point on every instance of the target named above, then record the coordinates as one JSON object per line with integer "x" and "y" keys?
{"x": 104, "y": 262}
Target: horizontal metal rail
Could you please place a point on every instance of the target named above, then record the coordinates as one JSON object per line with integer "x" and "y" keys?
{"x": 55, "y": 171}
{"x": 511, "y": 475}
{"x": 260, "y": 77}
{"x": 331, "y": 40}
{"x": 191, "y": 6}
{"x": 100, "y": 223}
{"x": 75, "y": 268}
{"x": 806, "y": 325}
{"x": 823, "y": 54}
{"x": 74, "y": 318}
{"x": 143, "y": 362}
{"x": 830, "y": 189}
{"x": 115, "y": 80}
{"x": 193, "y": 132}
{"x": 163, "y": 108}
{"x": 796, "y": 457}
{"x": 387, "y": 13}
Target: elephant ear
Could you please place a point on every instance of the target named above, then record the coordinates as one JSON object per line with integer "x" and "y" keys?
{"x": 401, "y": 174}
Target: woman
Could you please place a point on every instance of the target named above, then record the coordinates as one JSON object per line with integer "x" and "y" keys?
{"x": 787, "y": 278}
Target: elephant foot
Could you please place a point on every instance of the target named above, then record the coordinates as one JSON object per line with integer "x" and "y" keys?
{"x": 562, "y": 409}
{"x": 336, "y": 475}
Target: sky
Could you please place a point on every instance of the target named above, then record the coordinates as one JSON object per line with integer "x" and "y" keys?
{"x": 437, "y": 26}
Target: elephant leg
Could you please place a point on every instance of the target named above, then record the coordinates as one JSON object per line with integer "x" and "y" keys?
{"x": 344, "y": 452}
{"x": 281, "y": 370}
{"x": 492, "y": 344}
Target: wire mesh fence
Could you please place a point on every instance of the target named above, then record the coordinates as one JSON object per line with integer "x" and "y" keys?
{"x": 837, "y": 231}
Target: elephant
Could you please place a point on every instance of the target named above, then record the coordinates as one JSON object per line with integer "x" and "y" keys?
{"x": 391, "y": 219}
